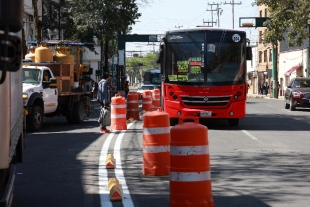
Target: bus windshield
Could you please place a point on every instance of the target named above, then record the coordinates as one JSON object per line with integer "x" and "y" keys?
{"x": 205, "y": 58}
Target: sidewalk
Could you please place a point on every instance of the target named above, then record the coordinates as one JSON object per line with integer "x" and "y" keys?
{"x": 268, "y": 96}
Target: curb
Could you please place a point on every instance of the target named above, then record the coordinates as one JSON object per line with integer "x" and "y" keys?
{"x": 264, "y": 97}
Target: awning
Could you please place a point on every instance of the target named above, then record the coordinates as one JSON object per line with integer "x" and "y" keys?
{"x": 288, "y": 73}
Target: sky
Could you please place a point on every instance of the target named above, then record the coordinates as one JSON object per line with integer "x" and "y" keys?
{"x": 162, "y": 15}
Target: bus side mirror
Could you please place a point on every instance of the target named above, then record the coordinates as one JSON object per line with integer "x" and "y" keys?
{"x": 11, "y": 15}
{"x": 11, "y": 20}
{"x": 248, "y": 53}
{"x": 160, "y": 56}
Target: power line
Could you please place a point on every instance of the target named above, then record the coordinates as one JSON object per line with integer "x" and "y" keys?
{"x": 233, "y": 12}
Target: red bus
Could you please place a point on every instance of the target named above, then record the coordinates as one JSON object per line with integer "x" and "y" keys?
{"x": 204, "y": 73}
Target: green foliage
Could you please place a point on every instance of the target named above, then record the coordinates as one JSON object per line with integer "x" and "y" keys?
{"x": 135, "y": 65}
{"x": 100, "y": 18}
{"x": 286, "y": 16}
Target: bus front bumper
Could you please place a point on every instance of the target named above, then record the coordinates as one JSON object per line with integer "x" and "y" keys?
{"x": 233, "y": 110}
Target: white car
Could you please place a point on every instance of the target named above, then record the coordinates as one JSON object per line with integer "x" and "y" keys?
{"x": 146, "y": 87}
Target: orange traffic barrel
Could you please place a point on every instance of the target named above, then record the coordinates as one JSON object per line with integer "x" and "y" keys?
{"x": 190, "y": 173}
{"x": 133, "y": 106}
{"x": 156, "y": 97}
{"x": 147, "y": 100}
{"x": 156, "y": 140}
{"x": 118, "y": 113}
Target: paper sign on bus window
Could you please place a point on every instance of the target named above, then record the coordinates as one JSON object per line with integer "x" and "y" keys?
{"x": 210, "y": 47}
{"x": 182, "y": 66}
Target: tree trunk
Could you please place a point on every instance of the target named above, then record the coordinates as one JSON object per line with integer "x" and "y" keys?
{"x": 24, "y": 46}
{"x": 37, "y": 23}
{"x": 106, "y": 56}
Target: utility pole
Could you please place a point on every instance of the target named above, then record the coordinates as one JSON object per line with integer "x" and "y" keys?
{"x": 218, "y": 10}
{"x": 208, "y": 23}
{"x": 233, "y": 12}
{"x": 212, "y": 10}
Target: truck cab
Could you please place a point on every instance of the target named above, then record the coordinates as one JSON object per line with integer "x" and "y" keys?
{"x": 40, "y": 90}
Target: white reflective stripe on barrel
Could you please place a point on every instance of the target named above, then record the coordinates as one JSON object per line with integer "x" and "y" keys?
{"x": 118, "y": 106}
{"x": 189, "y": 150}
{"x": 133, "y": 101}
{"x": 150, "y": 149}
{"x": 147, "y": 96}
{"x": 147, "y": 102}
{"x": 161, "y": 130}
{"x": 115, "y": 116}
{"x": 190, "y": 176}
{"x": 132, "y": 109}
{"x": 156, "y": 99}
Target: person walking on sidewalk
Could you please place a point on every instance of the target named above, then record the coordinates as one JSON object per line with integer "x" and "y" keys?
{"x": 126, "y": 89}
{"x": 103, "y": 98}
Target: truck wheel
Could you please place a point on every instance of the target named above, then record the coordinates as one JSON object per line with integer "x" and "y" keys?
{"x": 233, "y": 122}
{"x": 35, "y": 118}
{"x": 78, "y": 112}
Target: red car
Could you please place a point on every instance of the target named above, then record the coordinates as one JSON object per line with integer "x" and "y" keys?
{"x": 297, "y": 94}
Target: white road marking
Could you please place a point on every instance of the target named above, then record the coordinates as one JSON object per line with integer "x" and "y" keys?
{"x": 103, "y": 174}
{"x": 127, "y": 202}
{"x": 250, "y": 135}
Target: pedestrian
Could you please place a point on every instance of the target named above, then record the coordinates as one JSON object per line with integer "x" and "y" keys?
{"x": 266, "y": 88}
{"x": 126, "y": 88}
{"x": 261, "y": 88}
{"x": 103, "y": 97}
{"x": 94, "y": 89}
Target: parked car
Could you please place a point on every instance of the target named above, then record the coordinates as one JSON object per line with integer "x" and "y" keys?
{"x": 297, "y": 94}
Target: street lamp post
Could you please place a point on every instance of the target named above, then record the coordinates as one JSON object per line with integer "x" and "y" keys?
{"x": 274, "y": 72}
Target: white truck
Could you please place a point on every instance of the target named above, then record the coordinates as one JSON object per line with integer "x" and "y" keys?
{"x": 50, "y": 95}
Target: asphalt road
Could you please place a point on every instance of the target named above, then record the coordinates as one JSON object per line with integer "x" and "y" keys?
{"x": 263, "y": 162}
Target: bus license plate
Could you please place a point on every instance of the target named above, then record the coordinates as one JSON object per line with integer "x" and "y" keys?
{"x": 205, "y": 113}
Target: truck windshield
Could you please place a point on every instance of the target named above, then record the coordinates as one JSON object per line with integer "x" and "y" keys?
{"x": 31, "y": 75}
{"x": 205, "y": 58}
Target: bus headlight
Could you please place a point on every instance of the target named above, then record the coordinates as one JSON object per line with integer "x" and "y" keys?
{"x": 175, "y": 97}
{"x": 236, "y": 97}
{"x": 171, "y": 93}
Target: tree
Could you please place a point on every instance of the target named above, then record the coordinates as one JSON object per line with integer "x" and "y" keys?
{"x": 289, "y": 17}
{"x": 37, "y": 21}
{"x": 102, "y": 18}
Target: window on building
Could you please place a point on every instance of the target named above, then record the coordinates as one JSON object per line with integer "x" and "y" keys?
{"x": 260, "y": 56}
{"x": 260, "y": 13}
{"x": 266, "y": 12}
{"x": 265, "y": 56}
{"x": 260, "y": 37}
{"x": 270, "y": 55}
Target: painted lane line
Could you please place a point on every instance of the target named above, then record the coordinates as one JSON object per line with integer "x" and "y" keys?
{"x": 127, "y": 202}
{"x": 103, "y": 174}
{"x": 250, "y": 135}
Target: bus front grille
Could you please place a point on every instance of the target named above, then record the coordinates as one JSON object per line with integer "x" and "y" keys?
{"x": 205, "y": 100}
